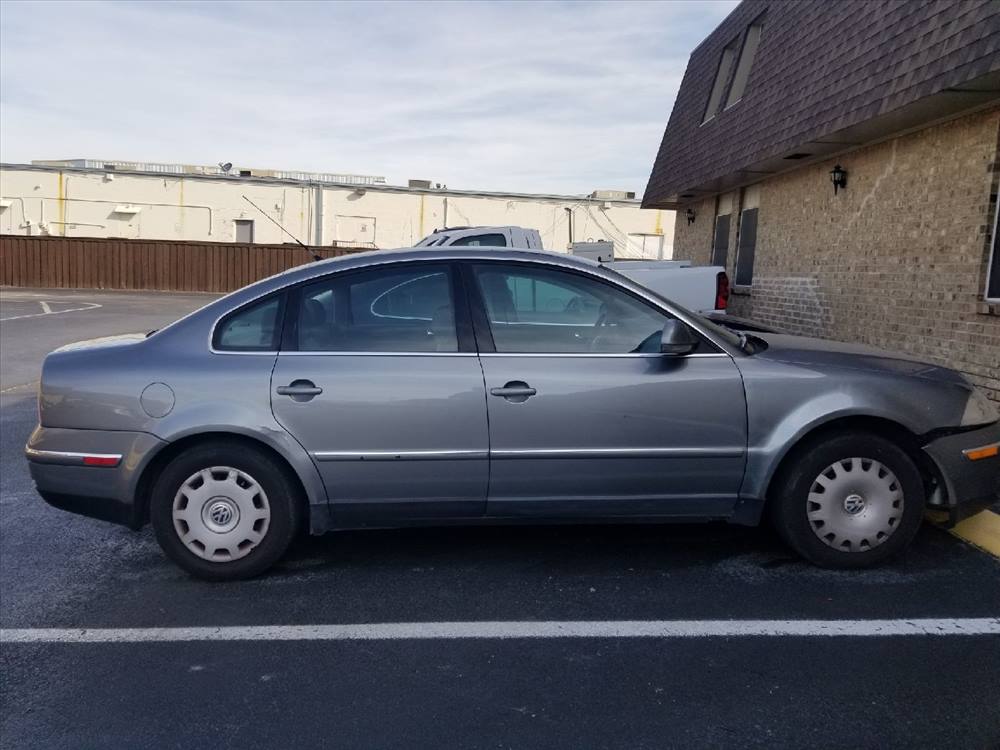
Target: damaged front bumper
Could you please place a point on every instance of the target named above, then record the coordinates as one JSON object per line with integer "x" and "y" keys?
{"x": 968, "y": 469}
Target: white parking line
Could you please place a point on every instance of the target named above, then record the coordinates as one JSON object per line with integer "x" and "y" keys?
{"x": 523, "y": 629}
{"x": 49, "y": 311}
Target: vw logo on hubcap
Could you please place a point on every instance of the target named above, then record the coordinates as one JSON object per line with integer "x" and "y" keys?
{"x": 220, "y": 514}
{"x": 854, "y": 504}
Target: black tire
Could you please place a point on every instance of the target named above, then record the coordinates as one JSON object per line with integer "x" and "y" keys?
{"x": 282, "y": 496}
{"x": 789, "y": 504}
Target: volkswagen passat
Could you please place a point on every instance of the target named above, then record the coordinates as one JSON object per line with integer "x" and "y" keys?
{"x": 495, "y": 386}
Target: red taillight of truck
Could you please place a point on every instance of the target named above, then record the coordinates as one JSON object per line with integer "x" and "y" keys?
{"x": 721, "y": 291}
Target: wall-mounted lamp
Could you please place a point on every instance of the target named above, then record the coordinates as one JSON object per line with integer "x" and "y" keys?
{"x": 691, "y": 215}
{"x": 838, "y": 175}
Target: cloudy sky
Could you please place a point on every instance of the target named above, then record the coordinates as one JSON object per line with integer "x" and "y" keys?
{"x": 522, "y": 96}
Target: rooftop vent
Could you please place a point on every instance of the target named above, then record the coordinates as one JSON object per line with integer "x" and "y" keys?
{"x": 612, "y": 195}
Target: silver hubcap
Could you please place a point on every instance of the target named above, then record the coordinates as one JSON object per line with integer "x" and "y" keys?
{"x": 855, "y": 504}
{"x": 221, "y": 513}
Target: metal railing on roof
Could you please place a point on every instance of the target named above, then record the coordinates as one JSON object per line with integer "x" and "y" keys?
{"x": 181, "y": 169}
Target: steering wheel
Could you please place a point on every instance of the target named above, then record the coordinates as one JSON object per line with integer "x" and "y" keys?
{"x": 574, "y": 306}
{"x": 601, "y": 322}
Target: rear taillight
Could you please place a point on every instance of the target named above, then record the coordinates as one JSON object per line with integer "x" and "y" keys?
{"x": 721, "y": 291}
{"x": 101, "y": 460}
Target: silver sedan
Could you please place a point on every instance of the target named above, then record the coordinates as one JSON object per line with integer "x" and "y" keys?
{"x": 477, "y": 385}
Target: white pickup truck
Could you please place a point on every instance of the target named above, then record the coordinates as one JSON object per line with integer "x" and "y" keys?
{"x": 704, "y": 289}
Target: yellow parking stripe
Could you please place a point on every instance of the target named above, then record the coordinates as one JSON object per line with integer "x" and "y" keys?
{"x": 981, "y": 530}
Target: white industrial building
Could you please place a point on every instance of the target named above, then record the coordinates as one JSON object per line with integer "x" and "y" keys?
{"x": 89, "y": 198}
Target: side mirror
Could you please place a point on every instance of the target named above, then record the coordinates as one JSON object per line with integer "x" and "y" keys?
{"x": 676, "y": 338}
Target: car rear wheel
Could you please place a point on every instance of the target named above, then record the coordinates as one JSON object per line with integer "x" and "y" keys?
{"x": 849, "y": 500}
{"x": 224, "y": 511}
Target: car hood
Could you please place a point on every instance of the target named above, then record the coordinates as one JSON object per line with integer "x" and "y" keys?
{"x": 103, "y": 341}
{"x": 822, "y": 354}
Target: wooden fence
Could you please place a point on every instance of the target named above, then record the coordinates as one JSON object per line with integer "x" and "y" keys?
{"x": 100, "y": 263}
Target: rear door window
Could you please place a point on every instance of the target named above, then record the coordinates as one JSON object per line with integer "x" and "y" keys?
{"x": 383, "y": 310}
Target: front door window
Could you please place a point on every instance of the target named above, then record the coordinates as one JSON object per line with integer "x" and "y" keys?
{"x": 537, "y": 310}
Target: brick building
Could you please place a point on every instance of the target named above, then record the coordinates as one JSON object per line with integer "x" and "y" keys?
{"x": 900, "y": 100}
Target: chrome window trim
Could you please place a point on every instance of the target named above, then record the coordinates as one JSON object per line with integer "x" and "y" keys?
{"x": 371, "y": 354}
{"x": 544, "y": 323}
{"x": 467, "y": 256}
{"x": 601, "y": 355}
{"x": 213, "y": 350}
{"x": 605, "y": 355}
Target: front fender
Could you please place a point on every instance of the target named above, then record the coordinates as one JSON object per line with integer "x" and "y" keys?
{"x": 787, "y": 402}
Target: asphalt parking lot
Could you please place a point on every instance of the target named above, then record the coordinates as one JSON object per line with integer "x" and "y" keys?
{"x": 452, "y": 669}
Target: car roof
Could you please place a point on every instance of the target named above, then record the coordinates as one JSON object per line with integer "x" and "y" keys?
{"x": 402, "y": 255}
{"x": 479, "y": 252}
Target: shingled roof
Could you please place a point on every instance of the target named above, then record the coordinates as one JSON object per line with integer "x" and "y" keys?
{"x": 828, "y": 76}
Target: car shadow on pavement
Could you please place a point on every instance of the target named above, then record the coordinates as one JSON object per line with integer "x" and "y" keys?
{"x": 581, "y": 548}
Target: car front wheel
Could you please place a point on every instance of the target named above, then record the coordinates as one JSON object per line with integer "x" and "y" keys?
{"x": 848, "y": 501}
{"x": 224, "y": 511}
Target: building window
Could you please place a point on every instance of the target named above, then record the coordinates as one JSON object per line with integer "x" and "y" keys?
{"x": 645, "y": 246}
{"x": 993, "y": 269}
{"x": 746, "y": 239}
{"x": 746, "y": 247}
{"x": 720, "y": 239}
{"x": 721, "y": 79}
{"x": 244, "y": 231}
{"x": 747, "y": 54}
{"x": 720, "y": 246}
{"x": 729, "y": 85}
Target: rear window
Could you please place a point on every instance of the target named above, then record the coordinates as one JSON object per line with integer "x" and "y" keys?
{"x": 253, "y": 328}
{"x": 481, "y": 240}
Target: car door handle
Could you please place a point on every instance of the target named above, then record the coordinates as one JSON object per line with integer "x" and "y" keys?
{"x": 516, "y": 391}
{"x": 299, "y": 390}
